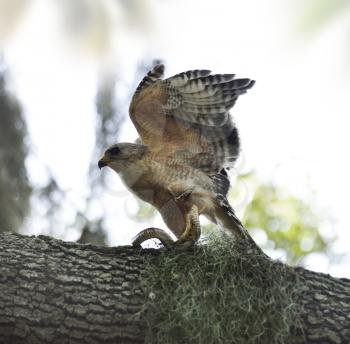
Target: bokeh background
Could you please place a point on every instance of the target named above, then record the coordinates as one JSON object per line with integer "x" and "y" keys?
{"x": 68, "y": 70}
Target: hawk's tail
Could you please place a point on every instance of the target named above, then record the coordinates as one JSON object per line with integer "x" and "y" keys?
{"x": 226, "y": 216}
{"x": 228, "y": 219}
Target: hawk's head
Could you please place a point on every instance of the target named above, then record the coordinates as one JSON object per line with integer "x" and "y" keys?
{"x": 121, "y": 155}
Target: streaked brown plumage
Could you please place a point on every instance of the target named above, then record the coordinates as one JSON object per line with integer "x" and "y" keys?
{"x": 187, "y": 140}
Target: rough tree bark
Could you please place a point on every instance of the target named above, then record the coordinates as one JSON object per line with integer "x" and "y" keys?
{"x": 61, "y": 292}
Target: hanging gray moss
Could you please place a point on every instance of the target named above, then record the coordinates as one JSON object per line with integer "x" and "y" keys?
{"x": 219, "y": 293}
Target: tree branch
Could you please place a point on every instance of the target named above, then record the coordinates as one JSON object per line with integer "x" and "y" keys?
{"x": 58, "y": 292}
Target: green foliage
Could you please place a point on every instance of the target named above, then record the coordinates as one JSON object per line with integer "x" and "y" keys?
{"x": 289, "y": 223}
{"x": 219, "y": 293}
{"x": 317, "y": 13}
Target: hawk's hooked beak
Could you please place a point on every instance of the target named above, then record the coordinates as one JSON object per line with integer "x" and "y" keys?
{"x": 102, "y": 163}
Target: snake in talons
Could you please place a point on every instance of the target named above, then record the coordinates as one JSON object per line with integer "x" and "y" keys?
{"x": 154, "y": 233}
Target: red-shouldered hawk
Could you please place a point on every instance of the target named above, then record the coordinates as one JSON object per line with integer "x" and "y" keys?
{"x": 187, "y": 141}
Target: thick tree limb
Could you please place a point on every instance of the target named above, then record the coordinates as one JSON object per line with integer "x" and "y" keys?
{"x": 59, "y": 292}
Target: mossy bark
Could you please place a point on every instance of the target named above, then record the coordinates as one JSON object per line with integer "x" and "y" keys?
{"x": 59, "y": 292}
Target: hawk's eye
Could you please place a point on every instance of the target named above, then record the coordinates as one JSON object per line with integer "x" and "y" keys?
{"x": 114, "y": 151}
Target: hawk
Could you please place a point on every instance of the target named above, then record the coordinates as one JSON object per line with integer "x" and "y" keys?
{"x": 187, "y": 142}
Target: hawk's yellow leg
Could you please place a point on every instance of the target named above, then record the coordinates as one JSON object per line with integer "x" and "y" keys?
{"x": 193, "y": 229}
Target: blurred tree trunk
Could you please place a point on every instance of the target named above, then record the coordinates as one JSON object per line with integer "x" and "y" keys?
{"x": 60, "y": 292}
{"x": 15, "y": 189}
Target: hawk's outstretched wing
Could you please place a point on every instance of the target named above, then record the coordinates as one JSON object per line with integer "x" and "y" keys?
{"x": 186, "y": 118}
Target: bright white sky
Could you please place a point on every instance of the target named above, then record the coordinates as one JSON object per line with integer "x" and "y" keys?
{"x": 294, "y": 123}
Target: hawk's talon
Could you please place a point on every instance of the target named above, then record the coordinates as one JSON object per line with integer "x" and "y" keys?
{"x": 193, "y": 229}
{"x": 184, "y": 245}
